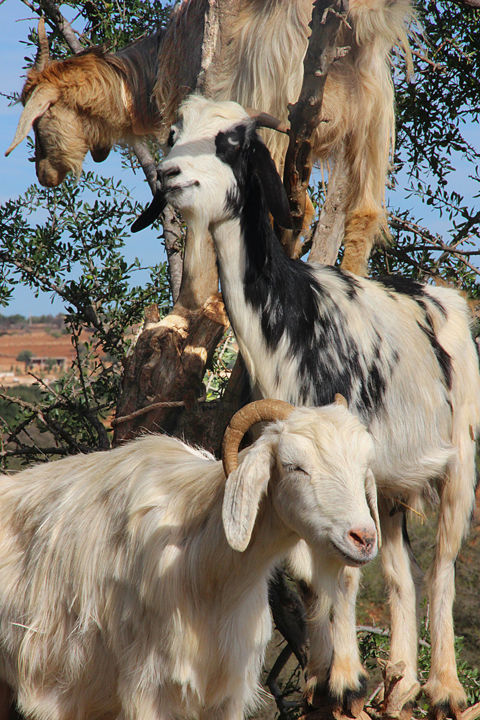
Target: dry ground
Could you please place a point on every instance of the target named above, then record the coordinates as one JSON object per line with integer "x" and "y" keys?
{"x": 40, "y": 341}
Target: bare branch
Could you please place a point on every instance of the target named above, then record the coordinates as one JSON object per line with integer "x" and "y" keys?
{"x": 328, "y": 234}
{"x": 146, "y": 162}
{"x": 174, "y": 239}
{"x": 153, "y": 406}
{"x": 305, "y": 114}
{"x": 59, "y": 289}
{"x": 28, "y": 451}
{"x": 210, "y": 42}
{"x": 64, "y": 27}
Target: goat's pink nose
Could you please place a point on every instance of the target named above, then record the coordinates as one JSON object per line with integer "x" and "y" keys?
{"x": 363, "y": 538}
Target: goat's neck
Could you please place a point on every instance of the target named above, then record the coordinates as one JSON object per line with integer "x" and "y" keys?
{"x": 240, "y": 572}
{"x": 137, "y": 66}
{"x": 261, "y": 287}
{"x": 233, "y": 266}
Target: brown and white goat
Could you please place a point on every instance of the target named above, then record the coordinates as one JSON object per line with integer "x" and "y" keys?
{"x": 95, "y": 100}
{"x": 133, "y": 582}
{"x": 88, "y": 102}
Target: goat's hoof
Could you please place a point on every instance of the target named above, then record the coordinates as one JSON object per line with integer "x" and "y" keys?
{"x": 447, "y": 699}
{"x": 352, "y": 702}
{"x": 445, "y": 710}
{"x": 350, "y": 705}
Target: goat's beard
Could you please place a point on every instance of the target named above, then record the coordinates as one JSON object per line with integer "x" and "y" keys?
{"x": 197, "y": 239}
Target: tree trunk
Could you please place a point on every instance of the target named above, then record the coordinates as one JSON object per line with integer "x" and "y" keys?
{"x": 169, "y": 359}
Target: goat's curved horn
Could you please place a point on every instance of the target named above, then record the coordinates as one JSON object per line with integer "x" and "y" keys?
{"x": 43, "y": 54}
{"x": 263, "y": 119}
{"x": 37, "y": 104}
{"x": 243, "y": 420}
{"x": 340, "y": 400}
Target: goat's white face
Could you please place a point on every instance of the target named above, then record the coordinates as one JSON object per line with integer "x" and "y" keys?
{"x": 215, "y": 154}
{"x": 316, "y": 466}
{"x": 193, "y": 178}
{"x": 322, "y": 503}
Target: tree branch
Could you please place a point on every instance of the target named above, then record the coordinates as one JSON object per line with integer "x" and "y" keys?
{"x": 173, "y": 237}
{"x": 305, "y": 114}
{"x": 62, "y": 24}
{"x": 329, "y": 231}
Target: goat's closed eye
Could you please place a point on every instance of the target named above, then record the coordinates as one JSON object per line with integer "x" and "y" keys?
{"x": 290, "y": 468}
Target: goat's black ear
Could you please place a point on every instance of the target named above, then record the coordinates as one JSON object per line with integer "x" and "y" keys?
{"x": 273, "y": 189}
{"x": 229, "y": 144}
{"x": 151, "y": 213}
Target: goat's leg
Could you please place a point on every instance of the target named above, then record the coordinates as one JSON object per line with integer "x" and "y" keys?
{"x": 362, "y": 226}
{"x": 318, "y": 605}
{"x": 337, "y": 679}
{"x": 151, "y": 703}
{"x": 232, "y": 709}
{"x": 319, "y": 633}
{"x": 402, "y": 597}
{"x": 348, "y": 678}
{"x": 443, "y": 687}
{"x": 367, "y": 159}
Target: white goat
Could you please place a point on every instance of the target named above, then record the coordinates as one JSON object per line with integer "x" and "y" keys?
{"x": 119, "y": 593}
{"x": 400, "y": 352}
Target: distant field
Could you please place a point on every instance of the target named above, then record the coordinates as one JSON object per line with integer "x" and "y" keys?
{"x": 41, "y": 340}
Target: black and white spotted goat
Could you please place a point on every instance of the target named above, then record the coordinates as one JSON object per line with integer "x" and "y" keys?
{"x": 400, "y": 352}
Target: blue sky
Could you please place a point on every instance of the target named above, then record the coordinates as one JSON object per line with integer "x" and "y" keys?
{"x": 16, "y": 173}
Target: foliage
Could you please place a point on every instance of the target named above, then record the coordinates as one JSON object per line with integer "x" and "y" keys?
{"x": 435, "y": 163}
{"x": 24, "y": 356}
{"x": 217, "y": 376}
{"x": 8, "y": 409}
{"x": 375, "y": 645}
{"x": 116, "y": 24}
{"x": 69, "y": 241}
{"x": 111, "y": 25}
{"x": 75, "y": 252}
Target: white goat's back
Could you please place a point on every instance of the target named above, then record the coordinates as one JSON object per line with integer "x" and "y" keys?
{"x": 72, "y": 531}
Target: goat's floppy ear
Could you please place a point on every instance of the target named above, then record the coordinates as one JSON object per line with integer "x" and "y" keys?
{"x": 37, "y": 105}
{"x": 243, "y": 491}
{"x": 273, "y": 189}
{"x": 151, "y": 213}
{"x": 371, "y": 493}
